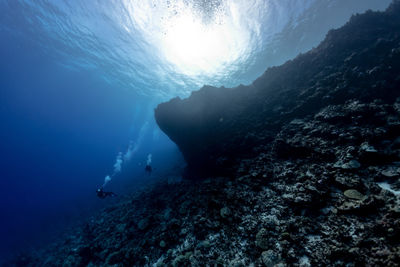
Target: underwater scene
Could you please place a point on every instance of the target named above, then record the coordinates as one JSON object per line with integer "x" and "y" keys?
{"x": 200, "y": 133}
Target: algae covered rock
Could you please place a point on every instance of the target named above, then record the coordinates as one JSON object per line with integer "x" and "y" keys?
{"x": 115, "y": 258}
{"x": 225, "y": 212}
{"x": 262, "y": 239}
{"x": 270, "y": 258}
{"x": 162, "y": 244}
{"x": 182, "y": 260}
{"x": 143, "y": 224}
{"x": 350, "y": 165}
{"x": 353, "y": 194}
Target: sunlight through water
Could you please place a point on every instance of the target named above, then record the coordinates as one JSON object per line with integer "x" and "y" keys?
{"x": 195, "y": 40}
{"x": 167, "y": 48}
{"x": 157, "y": 47}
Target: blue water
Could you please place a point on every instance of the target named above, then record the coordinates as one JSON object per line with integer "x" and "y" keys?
{"x": 79, "y": 81}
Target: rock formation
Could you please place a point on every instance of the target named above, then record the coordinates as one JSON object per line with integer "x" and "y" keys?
{"x": 216, "y": 126}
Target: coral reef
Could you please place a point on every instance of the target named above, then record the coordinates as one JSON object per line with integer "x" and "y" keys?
{"x": 302, "y": 169}
{"x": 321, "y": 207}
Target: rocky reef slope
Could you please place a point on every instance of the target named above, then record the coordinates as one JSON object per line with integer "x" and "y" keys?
{"x": 216, "y": 126}
{"x": 326, "y": 193}
{"x": 308, "y": 159}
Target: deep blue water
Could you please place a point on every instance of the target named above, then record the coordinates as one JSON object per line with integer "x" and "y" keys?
{"x": 61, "y": 132}
{"x": 79, "y": 81}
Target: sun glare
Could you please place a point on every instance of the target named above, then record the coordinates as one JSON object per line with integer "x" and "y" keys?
{"x": 190, "y": 44}
{"x": 198, "y": 48}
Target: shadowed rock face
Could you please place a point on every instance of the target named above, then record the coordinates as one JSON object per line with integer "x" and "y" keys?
{"x": 215, "y": 127}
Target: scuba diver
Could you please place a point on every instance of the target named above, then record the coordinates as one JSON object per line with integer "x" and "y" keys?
{"x": 102, "y": 194}
{"x": 148, "y": 169}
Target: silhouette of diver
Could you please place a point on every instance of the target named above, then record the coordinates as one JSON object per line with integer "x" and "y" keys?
{"x": 102, "y": 194}
{"x": 148, "y": 169}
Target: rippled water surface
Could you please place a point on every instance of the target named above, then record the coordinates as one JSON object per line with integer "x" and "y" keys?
{"x": 156, "y": 47}
{"x": 165, "y": 48}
